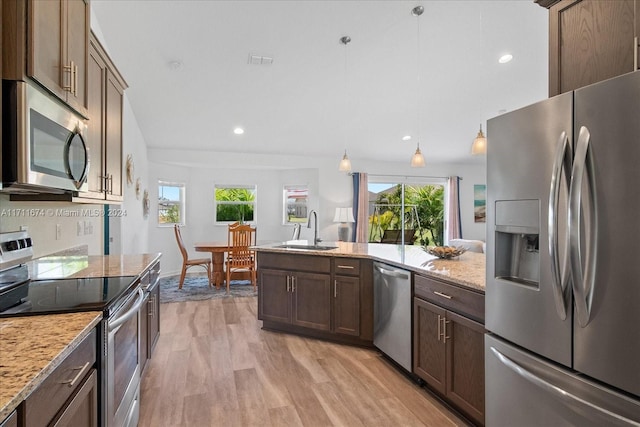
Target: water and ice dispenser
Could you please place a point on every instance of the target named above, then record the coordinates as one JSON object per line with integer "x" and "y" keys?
{"x": 517, "y": 241}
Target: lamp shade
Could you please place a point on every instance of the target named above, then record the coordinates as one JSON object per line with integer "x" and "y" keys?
{"x": 345, "y": 163}
{"x": 344, "y": 215}
{"x": 479, "y": 145}
{"x": 417, "y": 160}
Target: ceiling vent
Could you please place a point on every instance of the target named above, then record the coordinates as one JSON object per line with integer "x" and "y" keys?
{"x": 260, "y": 60}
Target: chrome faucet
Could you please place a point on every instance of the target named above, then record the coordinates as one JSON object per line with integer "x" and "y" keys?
{"x": 315, "y": 230}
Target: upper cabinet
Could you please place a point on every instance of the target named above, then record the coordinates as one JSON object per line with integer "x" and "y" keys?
{"x": 105, "y": 91}
{"x": 591, "y": 41}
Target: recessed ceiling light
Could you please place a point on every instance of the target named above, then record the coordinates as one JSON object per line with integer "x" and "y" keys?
{"x": 238, "y": 131}
{"x": 175, "y": 65}
{"x": 406, "y": 137}
{"x": 505, "y": 58}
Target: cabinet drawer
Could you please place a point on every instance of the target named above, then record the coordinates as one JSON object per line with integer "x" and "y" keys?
{"x": 46, "y": 400}
{"x": 346, "y": 266}
{"x": 310, "y": 263}
{"x": 457, "y": 299}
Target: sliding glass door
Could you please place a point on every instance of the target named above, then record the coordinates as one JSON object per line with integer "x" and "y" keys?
{"x": 407, "y": 210}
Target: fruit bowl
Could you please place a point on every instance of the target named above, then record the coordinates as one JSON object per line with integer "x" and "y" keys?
{"x": 445, "y": 252}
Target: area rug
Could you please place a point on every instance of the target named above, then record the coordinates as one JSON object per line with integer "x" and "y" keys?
{"x": 196, "y": 288}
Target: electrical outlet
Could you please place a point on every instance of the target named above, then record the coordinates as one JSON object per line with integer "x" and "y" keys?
{"x": 24, "y": 228}
{"x": 58, "y": 231}
{"x": 79, "y": 228}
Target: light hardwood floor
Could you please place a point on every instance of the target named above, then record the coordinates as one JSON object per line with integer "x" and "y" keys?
{"x": 215, "y": 366}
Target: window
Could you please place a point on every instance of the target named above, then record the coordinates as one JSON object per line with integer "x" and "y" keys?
{"x": 170, "y": 203}
{"x": 235, "y": 203}
{"x": 414, "y": 208}
{"x": 295, "y": 203}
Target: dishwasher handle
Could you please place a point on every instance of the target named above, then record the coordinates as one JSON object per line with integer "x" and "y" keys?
{"x": 392, "y": 273}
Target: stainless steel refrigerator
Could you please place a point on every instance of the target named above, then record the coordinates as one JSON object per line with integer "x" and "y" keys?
{"x": 563, "y": 260}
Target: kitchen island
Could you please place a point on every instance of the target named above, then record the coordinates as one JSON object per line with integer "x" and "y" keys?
{"x": 327, "y": 292}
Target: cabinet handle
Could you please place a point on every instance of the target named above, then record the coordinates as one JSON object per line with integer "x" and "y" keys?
{"x": 75, "y": 79}
{"x": 293, "y": 283}
{"x": 348, "y": 267}
{"x": 150, "y": 302}
{"x": 636, "y": 52}
{"x": 288, "y": 283}
{"x": 80, "y": 370}
{"x": 439, "y": 328}
{"x": 110, "y": 184}
{"x": 440, "y": 294}
{"x": 335, "y": 289}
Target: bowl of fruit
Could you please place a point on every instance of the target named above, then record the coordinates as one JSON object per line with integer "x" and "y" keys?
{"x": 445, "y": 252}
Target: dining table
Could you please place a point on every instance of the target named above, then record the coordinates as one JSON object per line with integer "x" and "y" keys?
{"x": 217, "y": 250}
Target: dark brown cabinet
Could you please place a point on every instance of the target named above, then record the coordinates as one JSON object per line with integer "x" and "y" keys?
{"x": 11, "y": 420}
{"x": 298, "y": 298}
{"x": 448, "y": 348}
{"x": 68, "y": 396}
{"x": 591, "y": 41}
{"x": 150, "y": 314}
{"x": 105, "y": 91}
{"x": 320, "y": 296}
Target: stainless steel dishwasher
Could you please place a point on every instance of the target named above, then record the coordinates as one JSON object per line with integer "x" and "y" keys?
{"x": 392, "y": 313}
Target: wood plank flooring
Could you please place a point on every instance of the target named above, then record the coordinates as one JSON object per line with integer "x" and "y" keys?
{"x": 214, "y": 366}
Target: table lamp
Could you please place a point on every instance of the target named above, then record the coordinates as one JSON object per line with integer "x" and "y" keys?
{"x": 343, "y": 216}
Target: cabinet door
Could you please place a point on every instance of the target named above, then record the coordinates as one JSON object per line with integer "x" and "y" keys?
{"x": 83, "y": 408}
{"x": 114, "y": 92}
{"x": 44, "y": 44}
{"x": 589, "y": 41}
{"x": 273, "y": 296}
{"x": 429, "y": 350}
{"x": 465, "y": 364}
{"x": 96, "y": 78}
{"x": 346, "y": 305}
{"x": 311, "y": 305}
{"x": 76, "y": 42}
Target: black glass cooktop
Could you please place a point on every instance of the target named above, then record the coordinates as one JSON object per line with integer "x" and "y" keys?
{"x": 72, "y": 295}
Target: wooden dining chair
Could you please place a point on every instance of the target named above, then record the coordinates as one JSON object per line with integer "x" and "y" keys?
{"x": 239, "y": 257}
{"x": 186, "y": 262}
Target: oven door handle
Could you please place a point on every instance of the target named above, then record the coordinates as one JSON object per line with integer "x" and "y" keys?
{"x": 114, "y": 324}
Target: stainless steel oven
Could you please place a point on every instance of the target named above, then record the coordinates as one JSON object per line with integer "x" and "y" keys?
{"x": 43, "y": 145}
{"x": 123, "y": 365}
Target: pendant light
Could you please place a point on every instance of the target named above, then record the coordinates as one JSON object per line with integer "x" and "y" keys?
{"x": 345, "y": 163}
{"x": 417, "y": 160}
{"x": 479, "y": 145}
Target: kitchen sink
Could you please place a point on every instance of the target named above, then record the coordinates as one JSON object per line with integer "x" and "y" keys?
{"x": 307, "y": 247}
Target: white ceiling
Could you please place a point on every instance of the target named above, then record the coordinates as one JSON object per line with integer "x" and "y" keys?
{"x": 316, "y": 99}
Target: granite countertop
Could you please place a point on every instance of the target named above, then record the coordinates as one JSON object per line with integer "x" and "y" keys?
{"x": 467, "y": 270}
{"x": 76, "y": 266}
{"x": 32, "y": 347}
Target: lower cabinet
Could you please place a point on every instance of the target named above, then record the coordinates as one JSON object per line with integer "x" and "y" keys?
{"x": 448, "y": 349}
{"x": 11, "y": 420}
{"x": 68, "y": 396}
{"x": 301, "y": 299}
{"x": 150, "y": 315}
{"x": 321, "y": 296}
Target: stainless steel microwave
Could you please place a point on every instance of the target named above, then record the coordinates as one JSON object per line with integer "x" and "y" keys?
{"x": 43, "y": 145}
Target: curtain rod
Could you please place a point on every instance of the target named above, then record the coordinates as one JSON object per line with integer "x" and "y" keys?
{"x": 407, "y": 176}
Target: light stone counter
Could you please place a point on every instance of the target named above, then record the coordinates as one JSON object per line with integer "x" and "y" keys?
{"x": 31, "y": 347}
{"x": 76, "y": 266}
{"x": 467, "y": 270}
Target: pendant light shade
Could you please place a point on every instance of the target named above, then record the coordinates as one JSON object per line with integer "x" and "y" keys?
{"x": 417, "y": 160}
{"x": 479, "y": 145}
{"x": 345, "y": 163}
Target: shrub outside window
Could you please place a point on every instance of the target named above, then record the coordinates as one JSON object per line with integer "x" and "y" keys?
{"x": 171, "y": 206}
{"x": 235, "y": 203}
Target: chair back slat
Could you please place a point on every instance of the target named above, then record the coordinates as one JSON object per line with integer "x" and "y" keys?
{"x": 240, "y": 238}
{"x": 183, "y": 250}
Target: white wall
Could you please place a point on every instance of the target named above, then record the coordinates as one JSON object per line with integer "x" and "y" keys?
{"x": 328, "y": 189}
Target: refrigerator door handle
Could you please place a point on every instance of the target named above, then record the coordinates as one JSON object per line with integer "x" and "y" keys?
{"x": 561, "y": 166}
{"x": 554, "y": 390}
{"x": 583, "y": 280}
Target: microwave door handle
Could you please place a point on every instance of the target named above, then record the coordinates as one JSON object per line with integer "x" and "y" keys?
{"x": 85, "y": 170}
{"x": 561, "y": 165}
{"x": 583, "y": 280}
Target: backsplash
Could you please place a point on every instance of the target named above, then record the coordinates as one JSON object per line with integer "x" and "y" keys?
{"x": 55, "y": 226}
